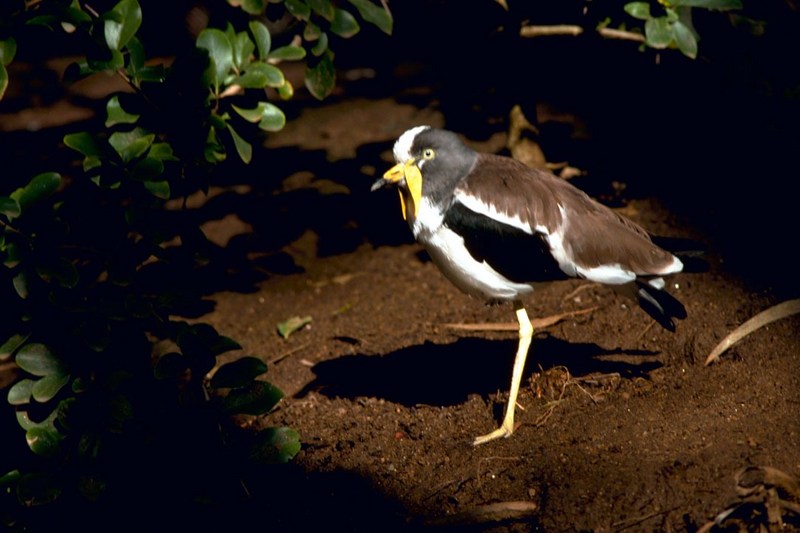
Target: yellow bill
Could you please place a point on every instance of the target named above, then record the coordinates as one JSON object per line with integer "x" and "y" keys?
{"x": 409, "y": 179}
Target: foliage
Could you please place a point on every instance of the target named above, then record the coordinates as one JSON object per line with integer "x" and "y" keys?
{"x": 92, "y": 261}
{"x": 671, "y": 25}
{"x": 320, "y": 19}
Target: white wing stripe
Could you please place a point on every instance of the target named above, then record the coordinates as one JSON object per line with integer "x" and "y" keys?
{"x": 482, "y": 208}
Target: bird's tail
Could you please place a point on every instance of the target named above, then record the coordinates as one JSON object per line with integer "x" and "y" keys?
{"x": 690, "y": 252}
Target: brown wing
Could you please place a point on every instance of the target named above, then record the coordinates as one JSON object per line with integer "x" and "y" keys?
{"x": 591, "y": 234}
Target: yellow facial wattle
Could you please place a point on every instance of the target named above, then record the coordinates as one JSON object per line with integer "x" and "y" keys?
{"x": 412, "y": 193}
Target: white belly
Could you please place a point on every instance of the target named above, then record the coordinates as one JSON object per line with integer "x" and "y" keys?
{"x": 478, "y": 279}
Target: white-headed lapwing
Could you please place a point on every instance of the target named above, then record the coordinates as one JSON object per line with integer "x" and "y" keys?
{"x": 496, "y": 228}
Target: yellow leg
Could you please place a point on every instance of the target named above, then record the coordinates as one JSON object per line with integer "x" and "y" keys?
{"x": 525, "y": 336}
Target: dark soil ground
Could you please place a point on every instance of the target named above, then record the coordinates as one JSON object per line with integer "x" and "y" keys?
{"x": 621, "y": 426}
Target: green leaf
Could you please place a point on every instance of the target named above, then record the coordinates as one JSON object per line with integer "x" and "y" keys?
{"x": 9, "y": 478}
{"x": 117, "y": 115}
{"x": 271, "y": 75}
{"x": 155, "y": 73}
{"x": 638, "y": 10}
{"x": 257, "y": 398}
{"x": 46, "y": 388}
{"x": 147, "y": 169}
{"x": 136, "y": 57}
{"x": 275, "y": 77}
{"x": 39, "y": 188}
{"x": 110, "y": 64}
{"x": 122, "y": 23}
{"x": 3, "y": 80}
{"x": 375, "y": 14}
{"x": 286, "y": 90}
{"x": 13, "y": 255}
{"x": 159, "y": 189}
{"x": 20, "y": 282}
{"x": 322, "y": 45}
{"x": 80, "y": 385}
{"x": 20, "y": 392}
{"x": 8, "y": 348}
{"x": 131, "y": 144}
{"x": 658, "y": 32}
{"x": 273, "y": 119}
{"x": 48, "y": 21}
{"x": 262, "y": 38}
{"x": 220, "y": 344}
{"x": 285, "y": 329}
{"x": 344, "y": 24}
{"x": 720, "y": 5}
{"x": 84, "y": 143}
{"x": 8, "y": 49}
{"x": 687, "y": 42}
{"x": 25, "y": 422}
{"x": 311, "y": 32}
{"x": 288, "y": 53}
{"x": 252, "y": 115}
{"x": 43, "y": 441}
{"x": 266, "y": 114}
{"x": 75, "y": 14}
{"x": 91, "y": 162}
{"x": 9, "y": 207}
{"x": 252, "y": 79}
{"x": 323, "y": 8}
{"x": 162, "y": 152}
{"x": 37, "y": 359}
{"x": 260, "y": 75}
{"x": 275, "y": 445}
{"x": 321, "y": 78}
{"x": 253, "y": 7}
{"x": 672, "y": 15}
{"x": 243, "y": 49}
{"x": 213, "y": 151}
{"x": 220, "y": 52}
{"x": 244, "y": 148}
{"x": 298, "y": 9}
{"x": 230, "y": 33}
{"x": 238, "y": 373}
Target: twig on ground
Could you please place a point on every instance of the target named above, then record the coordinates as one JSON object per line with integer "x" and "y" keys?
{"x": 494, "y": 512}
{"x": 280, "y": 357}
{"x": 782, "y": 310}
{"x": 645, "y": 330}
{"x": 551, "y": 406}
{"x": 537, "y": 323}
{"x": 578, "y": 289}
{"x": 625, "y": 524}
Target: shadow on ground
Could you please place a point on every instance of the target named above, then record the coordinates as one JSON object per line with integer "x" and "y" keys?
{"x": 445, "y": 374}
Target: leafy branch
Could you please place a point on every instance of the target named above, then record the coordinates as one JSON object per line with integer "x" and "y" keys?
{"x": 85, "y": 256}
{"x": 668, "y": 24}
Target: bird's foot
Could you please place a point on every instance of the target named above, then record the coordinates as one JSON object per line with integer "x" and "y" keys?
{"x": 504, "y": 431}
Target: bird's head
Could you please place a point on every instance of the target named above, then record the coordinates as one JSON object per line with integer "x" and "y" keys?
{"x": 426, "y": 157}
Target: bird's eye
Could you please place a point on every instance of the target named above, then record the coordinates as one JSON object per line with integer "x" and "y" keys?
{"x": 428, "y": 153}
